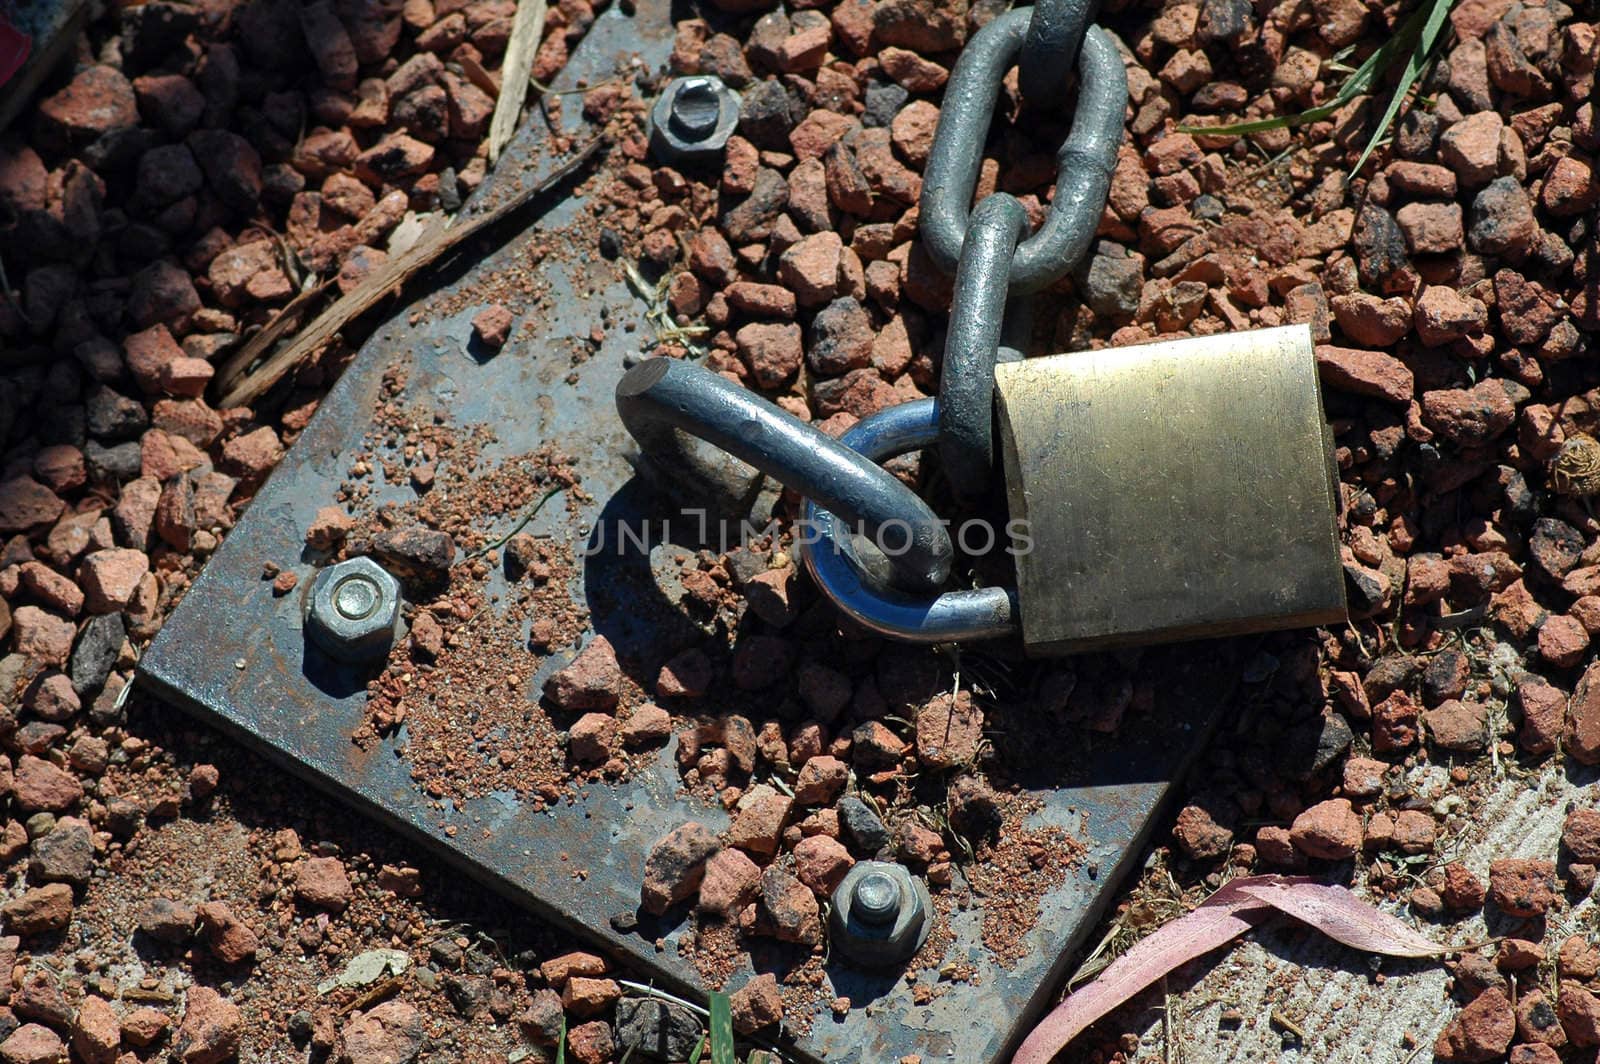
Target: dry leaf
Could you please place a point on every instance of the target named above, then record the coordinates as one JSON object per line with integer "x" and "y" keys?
{"x": 1231, "y": 911}
{"x": 1344, "y": 918}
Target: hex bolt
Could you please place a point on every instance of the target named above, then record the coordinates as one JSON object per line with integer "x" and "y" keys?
{"x": 879, "y": 915}
{"x": 692, "y": 119}
{"x": 352, "y": 610}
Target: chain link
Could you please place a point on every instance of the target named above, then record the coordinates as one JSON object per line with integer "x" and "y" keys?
{"x": 1083, "y": 165}
{"x": 1055, "y": 32}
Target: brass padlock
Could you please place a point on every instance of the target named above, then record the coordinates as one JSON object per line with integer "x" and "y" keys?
{"x": 1170, "y": 490}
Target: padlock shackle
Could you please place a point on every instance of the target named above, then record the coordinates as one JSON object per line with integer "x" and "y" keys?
{"x": 978, "y": 613}
{"x": 662, "y": 399}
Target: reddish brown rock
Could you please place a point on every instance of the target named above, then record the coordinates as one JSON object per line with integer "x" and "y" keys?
{"x": 592, "y": 738}
{"x": 25, "y": 504}
{"x": 731, "y": 882}
{"x": 1482, "y": 1032}
{"x": 32, "y": 1043}
{"x": 821, "y": 863}
{"x": 1582, "y": 736}
{"x": 97, "y": 1033}
{"x": 1469, "y": 417}
{"x": 592, "y": 1042}
{"x": 811, "y": 268}
{"x": 111, "y": 577}
{"x": 949, "y": 731}
{"x": 211, "y": 1029}
{"x": 143, "y": 1026}
{"x": 676, "y": 866}
{"x": 492, "y": 326}
{"x": 1461, "y": 891}
{"x": 1329, "y": 830}
{"x": 1369, "y": 373}
{"x": 590, "y": 681}
{"x": 39, "y": 786}
{"x": 1521, "y": 887}
{"x": 1579, "y": 1012}
{"x": 820, "y": 780}
{"x": 1471, "y": 147}
{"x": 99, "y": 99}
{"x": 772, "y": 351}
{"x": 1431, "y": 228}
{"x": 1580, "y": 834}
{"x": 758, "y": 824}
{"x": 757, "y": 1004}
{"x": 585, "y": 996}
{"x": 46, "y": 908}
{"x": 321, "y": 883}
{"x": 229, "y": 937}
{"x": 1457, "y": 725}
{"x": 1199, "y": 834}
{"x": 789, "y": 908}
{"x": 686, "y": 675}
{"x": 1394, "y": 723}
{"x": 390, "y": 1033}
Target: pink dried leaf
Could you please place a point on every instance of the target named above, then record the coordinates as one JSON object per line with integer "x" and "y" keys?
{"x": 1231, "y": 911}
{"x": 1345, "y": 918}
{"x": 1218, "y": 920}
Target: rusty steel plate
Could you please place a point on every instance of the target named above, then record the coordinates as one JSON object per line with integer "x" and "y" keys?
{"x": 234, "y": 654}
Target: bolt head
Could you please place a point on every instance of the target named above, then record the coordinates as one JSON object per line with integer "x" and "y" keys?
{"x": 876, "y": 899}
{"x": 352, "y": 610}
{"x": 692, "y": 119}
{"x": 880, "y": 914}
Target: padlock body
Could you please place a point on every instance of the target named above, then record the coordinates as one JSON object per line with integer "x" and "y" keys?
{"x": 1173, "y": 490}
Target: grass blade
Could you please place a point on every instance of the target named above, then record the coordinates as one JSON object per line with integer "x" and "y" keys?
{"x": 1437, "y": 11}
{"x": 1415, "y": 38}
{"x": 721, "y": 1029}
{"x": 561, "y": 1043}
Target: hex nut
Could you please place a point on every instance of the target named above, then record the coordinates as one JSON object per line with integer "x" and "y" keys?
{"x": 352, "y": 610}
{"x": 692, "y": 119}
{"x": 865, "y": 928}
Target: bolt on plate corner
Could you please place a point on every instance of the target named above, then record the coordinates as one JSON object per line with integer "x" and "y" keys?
{"x": 692, "y": 119}
{"x": 880, "y": 914}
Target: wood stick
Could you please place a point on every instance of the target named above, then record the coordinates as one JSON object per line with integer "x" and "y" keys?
{"x": 526, "y": 30}
{"x": 433, "y": 244}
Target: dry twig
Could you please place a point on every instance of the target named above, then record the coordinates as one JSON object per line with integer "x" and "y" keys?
{"x": 526, "y": 30}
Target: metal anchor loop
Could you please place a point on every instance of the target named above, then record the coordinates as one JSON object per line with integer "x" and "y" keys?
{"x": 980, "y": 613}
{"x": 1055, "y": 33}
{"x": 662, "y": 399}
{"x": 1084, "y": 163}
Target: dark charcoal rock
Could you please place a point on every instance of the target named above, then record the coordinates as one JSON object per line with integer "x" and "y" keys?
{"x": 416, "y": 555}
{"x": 863, "y": 827}
{"x": 113, "y": 416}
{"x": 96, "y": 652}
{"x": 767, "y": 113}
{"x": 655, "y": 1029}
{"x": 883, "y": 100}
{"x": 1379, "y": 244}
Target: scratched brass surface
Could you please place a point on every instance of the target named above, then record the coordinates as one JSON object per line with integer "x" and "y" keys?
{"x": 1172, "y": 490}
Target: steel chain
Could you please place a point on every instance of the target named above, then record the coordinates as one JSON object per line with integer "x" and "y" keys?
{"x": 984, "y": 246}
